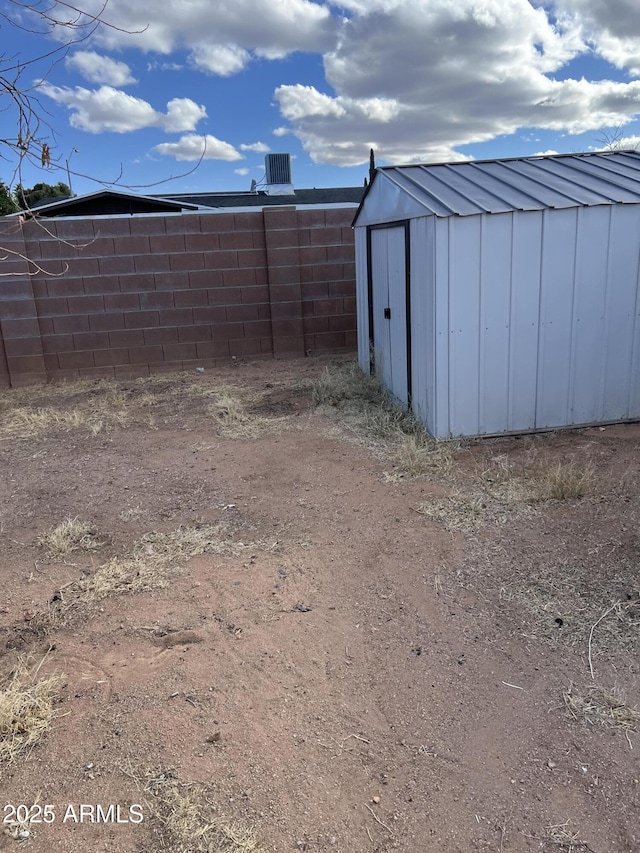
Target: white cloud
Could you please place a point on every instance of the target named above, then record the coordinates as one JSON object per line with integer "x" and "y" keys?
{"x": 258, "y": 147}
{"x": 222, "y": 59}
{"x": 416, "y": 81}
{"x": 164, "y": 66}
{"x": 100, "y": 69}
{"x": 109, "y": 109}
{"x": 182, "y": 114}
{"x": 194, "y": 147}
{"x": 612, "y": 27}
{"x": 297, "y": 102}
{"x": 221, "y": 37}
{"x": 241, "y": 172}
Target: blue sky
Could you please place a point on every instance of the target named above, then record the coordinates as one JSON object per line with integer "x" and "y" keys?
{"x": 419, "y": 80}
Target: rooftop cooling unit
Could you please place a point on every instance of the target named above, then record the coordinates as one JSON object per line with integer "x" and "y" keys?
{"x": 278, "y": 177}
{"x": 278, "y": 168}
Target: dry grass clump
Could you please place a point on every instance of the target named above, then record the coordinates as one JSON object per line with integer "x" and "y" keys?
{"x": 418, "y": 454}
{"x": 188, "y": 541}
{"x": 95, "y": 415}
{"x": 458, "y": 512}
{"x": 344, "y": 383}
{"x": 503, "y": 490}
{"x": 597, "y": 706}
{"x": 115, "y": 577}
{"x": 566, "y": 481}
{"x": 26, "y": 709}
{"x": 370, "y": 417}
{"x": 531, "y": 481}
{"x": 70, "y": 535}
{"x": 564, "y": 838}
{"x": 131, "y": 514}
{"x": 190, "y": 823}
{"x": 229, "y": 410}
{"x": 156, "y": 558}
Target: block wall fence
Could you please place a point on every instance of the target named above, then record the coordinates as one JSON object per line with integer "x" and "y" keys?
{"x": 128, "y": 296}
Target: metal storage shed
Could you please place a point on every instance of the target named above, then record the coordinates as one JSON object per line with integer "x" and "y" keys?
{"x": 502, "y": 296}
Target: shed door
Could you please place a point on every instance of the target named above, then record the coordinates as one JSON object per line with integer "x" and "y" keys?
{"x": 389, "y": 314}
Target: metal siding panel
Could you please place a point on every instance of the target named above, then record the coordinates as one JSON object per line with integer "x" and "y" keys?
{"x": 439, "y": 403}
{"x": 422, "y": 330}
{"x": 396, "y": 248}
{"x": 495, "y": 290}
{"x": 634, "y": 385}
{"x": 381, "y": 332}
{"x": 619, "y": 383}
{"x": 556, "y": 316}
{"x": 524, "y": 322}
{"x": 362, "y": 297}
{"x": 388, "y": 268}
{"x": 464, "y": 323}
{"x": 589, "y": 315}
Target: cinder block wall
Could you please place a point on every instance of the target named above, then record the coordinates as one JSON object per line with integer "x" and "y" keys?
{"x": 128, "y": 296}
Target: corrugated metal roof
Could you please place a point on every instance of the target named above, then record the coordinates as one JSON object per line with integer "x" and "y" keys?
{"x": 523, "y": 183}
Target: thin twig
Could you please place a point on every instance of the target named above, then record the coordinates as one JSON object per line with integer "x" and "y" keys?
{"x": 37, "y": 669}
{"x": 357, "y": 737}
{"x": 381, "y": 822}
{"x": 593, "y": 627}
{"x": 515, "y": 686}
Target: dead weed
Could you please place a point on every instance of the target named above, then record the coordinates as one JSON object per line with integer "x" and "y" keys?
{"x": 230, "y": 411}
{"x": 503, "y": 490}
{"x": 94, "y": 415}
{"x": 597, "y": 706}
{"x": 100, "y": 405}
{"x": 26, "y": 709}
{"x": 155, "y": 559}
{"x": 368, "y": 416}
{"x": 70, "y": 535}
{"x": 564, "y": 838}
{"x": 190, "y": 822}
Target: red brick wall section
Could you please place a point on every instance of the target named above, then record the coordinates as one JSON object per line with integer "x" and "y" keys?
{"x": 128, "y": 296}
{"x": 21, "y": 356}
{"x": 327, "y": 274}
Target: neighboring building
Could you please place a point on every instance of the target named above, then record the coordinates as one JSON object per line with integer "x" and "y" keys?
{"x": 323, "y": 197}
{"x": 106, "y": 203}
{"x": 277, "y": 190}
{"x": 502, "y": 296}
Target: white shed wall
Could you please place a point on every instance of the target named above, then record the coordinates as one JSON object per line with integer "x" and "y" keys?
{"x": 521, "y": 320}
{"x": 362, "y": 297}
{"x": 423, "y": 329}
{"x": 541, "y": 313}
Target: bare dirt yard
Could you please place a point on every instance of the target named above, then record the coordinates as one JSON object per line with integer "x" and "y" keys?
{"x": 256, "y": 609}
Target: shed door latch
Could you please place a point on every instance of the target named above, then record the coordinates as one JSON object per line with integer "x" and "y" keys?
{"x": 387, "y": 313}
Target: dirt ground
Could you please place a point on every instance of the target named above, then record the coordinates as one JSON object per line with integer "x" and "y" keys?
{"x": 306, "y": 640}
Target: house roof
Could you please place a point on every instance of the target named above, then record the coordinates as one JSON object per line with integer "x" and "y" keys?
{"x": 519, "y": 183}
{"x": 300, "y": 197}
{"x": 110, "y": 202}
